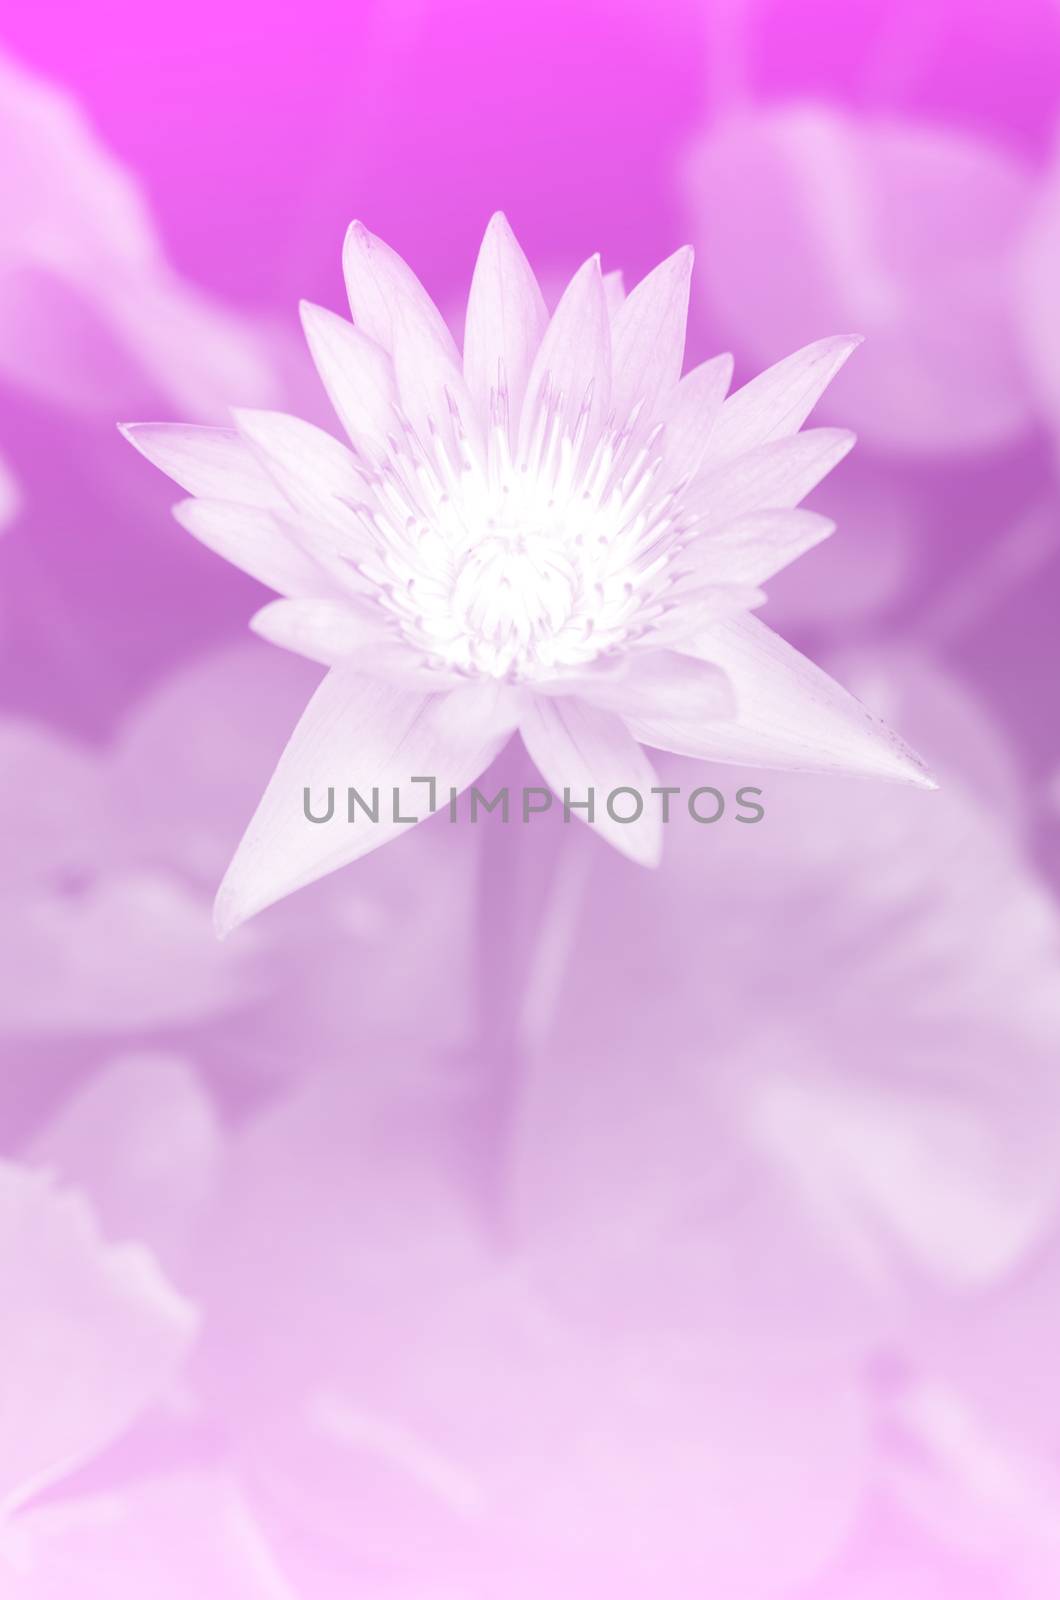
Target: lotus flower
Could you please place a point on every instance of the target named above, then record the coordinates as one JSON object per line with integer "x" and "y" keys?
{"x": 556, "y": 533}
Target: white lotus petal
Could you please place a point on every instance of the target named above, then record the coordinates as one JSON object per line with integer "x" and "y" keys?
{"x": 327, "y": 631}
{"x": 751, "y": 549}
{"x": 257, "y": 542}
{"x": 690, "y": 413}
{"x": 318, "y": 477}
{"x": 790, "y": 714}
{"x": 366, "y": 733}
{"x": 694, "y": 609}
{"x": 773, "y": 476}
{"x": 776, "y": 403}
{"x": 614, "y": 291}
{"x": 358, "y": 376}
{"x": 572, "y": 368}
{"x": 386, "y": 295}
{"x": 648, "y": 336}
{"x": 303, "y": 460}
{"x": 434, "y": 397}
{"x": 580, "y": 747}
{"x": 215, "y": 463}
{"x": 506, "y": 320}
{"x": 659, "y": 682}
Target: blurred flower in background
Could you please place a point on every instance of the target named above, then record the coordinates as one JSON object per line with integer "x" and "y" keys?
{"x": 497, "y": 1217}
{"x": 90, "y": 309}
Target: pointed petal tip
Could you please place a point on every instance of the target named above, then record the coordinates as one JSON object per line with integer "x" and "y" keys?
{"x": 136, "y": 432}
{"x": 844, "y": 345}
{"x": 907, "y": 766}
{"x": 228, "y": 914}
{"x": 317, "y": 321}
{"x": 183, "y": 512}
{"x": 922, "y": 778}
{"x": 358, "y": 238}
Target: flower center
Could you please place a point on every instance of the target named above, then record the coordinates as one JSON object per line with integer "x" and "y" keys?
{"x": 520, "y": 570}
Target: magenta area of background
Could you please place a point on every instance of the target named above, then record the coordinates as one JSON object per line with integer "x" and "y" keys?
{"x": 773, "y": 1131}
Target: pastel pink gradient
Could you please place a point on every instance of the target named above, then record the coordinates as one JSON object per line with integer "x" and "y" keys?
{"x": 497, "y": 1216}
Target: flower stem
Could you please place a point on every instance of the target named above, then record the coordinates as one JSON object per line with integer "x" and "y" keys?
{"x": 528, "y": 894}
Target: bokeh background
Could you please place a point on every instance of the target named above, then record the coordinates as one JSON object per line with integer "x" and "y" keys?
{"x": 495, "y": 1219}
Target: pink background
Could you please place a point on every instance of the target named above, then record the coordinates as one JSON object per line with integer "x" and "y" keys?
{"x": 495, "y": 1218}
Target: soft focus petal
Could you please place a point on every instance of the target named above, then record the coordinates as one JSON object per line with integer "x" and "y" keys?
{"x": 369, "y": 734}
{"x": 143, "y": 1141}
{"x": 10, "y": 494}
{"x": 326, "y": 955}
{"x": 917, "y": 1176}
{"x": 789, "y": 714}
{"x": 578, "y": 747}
{"x": 868, "y": 983}
{"x": 91, "y": 312}
{"x": 506, "y": 320}
{"x": 182, "y": 1535}
{"x": 1034, "y": 295}
{"x": 53, "y": 814}
{"x": 885, "y": 522}
{"x": 91, "y": 1334}
{"x": 347, "y": 1191}
{"x": 899, "y": 229}
{"x": 128, "y": 950}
